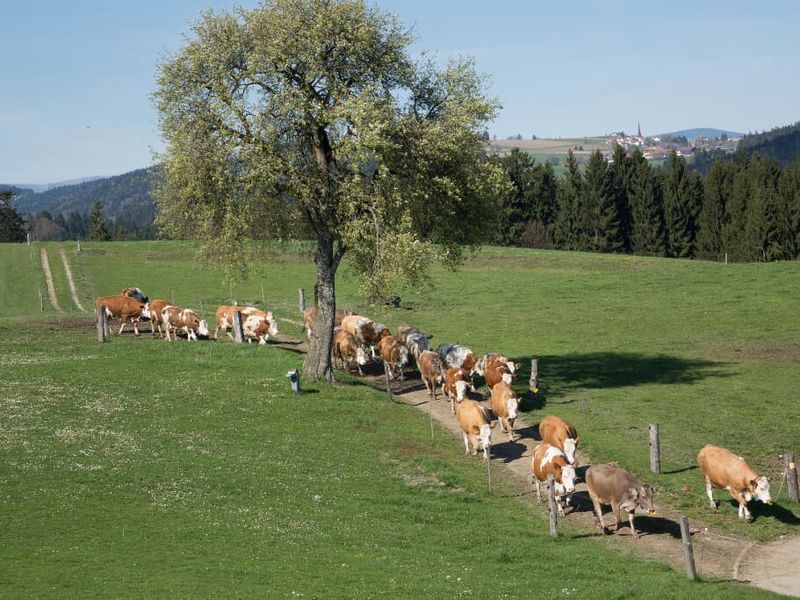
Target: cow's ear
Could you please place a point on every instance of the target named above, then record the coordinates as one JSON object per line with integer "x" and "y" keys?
{"x": 634, "y": 493}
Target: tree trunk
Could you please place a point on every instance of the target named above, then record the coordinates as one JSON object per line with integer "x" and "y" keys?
{"x": 318, "y": 360}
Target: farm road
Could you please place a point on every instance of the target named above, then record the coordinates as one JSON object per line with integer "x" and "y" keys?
{"x": 48, "y": 276}
{"x": 718, "y": 554}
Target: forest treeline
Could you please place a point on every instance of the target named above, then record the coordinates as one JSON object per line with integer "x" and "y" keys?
{"x": 747, "y": 207}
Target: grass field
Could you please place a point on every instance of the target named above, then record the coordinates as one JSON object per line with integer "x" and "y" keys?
{"x": 141, "y": 468}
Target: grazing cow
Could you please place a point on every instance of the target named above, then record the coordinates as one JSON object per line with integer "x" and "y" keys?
{"x": 310, "y": 316}
{"x": 456, "y": 384}
{"x": 368, "y": 333}
{"x": 560, "y": 433}
{"x": 476, "y": 426}
{"x": 721, "y": 468}
{"x": 135, "y": 293}
{"x": 620, "y": 490}
{"x": 124, "y": 308}
{"x": 258, "y": 327}
{"x": 495, "y": 367}
{"x": 430, "y": 370}
{"x": 347, "y": 350}
{"x": 549, "y": 460}
{"x": 504, "y": 406}
{"x": 154, "y": 308}
{"x": 394, "y": 355}
{"x": 455, "y": 355}
{"x": 175, "y": 317}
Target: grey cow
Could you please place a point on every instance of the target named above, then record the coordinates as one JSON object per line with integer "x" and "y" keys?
{"x": 620, "y": 490}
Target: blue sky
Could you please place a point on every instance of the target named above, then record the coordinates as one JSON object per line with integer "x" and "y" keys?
{"x": 77, "y": 76}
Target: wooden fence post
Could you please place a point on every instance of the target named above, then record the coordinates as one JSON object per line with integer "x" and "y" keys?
{"x": 489, "y": 466}
{"x": 79, "y": 245}
{"x": 688, "y": 551}
{"x": 102, "y": 326}
{"x": 551, "y": 503}
{"x": 655, "y": 449}
{"x": 533, "y": 382}
{"x": 791, "y": 476}
{"x": 238, "y": 330}
{"x": 301, "y": 299}
{"x": 29, "y": 239}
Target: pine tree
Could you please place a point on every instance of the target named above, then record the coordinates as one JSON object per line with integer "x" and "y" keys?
{"x": 517, "y": 209}
{"x": 790, "y": 191}
{"x": 12, "y": 227}
{"x": 98, "y": 231}
{"x": 620, "y": 171}
{"x": 717, "y": 190}
{"x": 647, "y": 218}
{"x": 680, "y": 209}
{"x": 601, "y": 206}
{"x": 567, "y": 227}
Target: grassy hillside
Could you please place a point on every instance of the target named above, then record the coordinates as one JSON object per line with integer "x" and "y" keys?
{"x": 160, "y": 468}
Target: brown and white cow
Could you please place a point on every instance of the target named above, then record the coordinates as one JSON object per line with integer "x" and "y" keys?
{"x": 154, "y": 308}
{"x": 175, "y": 317}
{"x": 135, "y": 293}
{"x": 394, "y": 355}
{"x": 348, "y": 351}
{"x": 259, "y": 327}
{"x": 504, "y": 405}
{"x": 619, "y": 489}
{"x": 494, "y": 367}
{"x": 417, "y": 343}
{"x": 224, "y": 317}
{"x": 368, "y": 333}
{"x": 721, "y": 468}
{"x": 457, "y": 383}
{"x": 559, "y": 433}
{"x": 405, "y": 330}
{"x": 122, "y": 307}
{"x": 549, "y": 460}
{"x": 456, "y": 355}
{"x": 430, "y": 370}
{"x": 476, "y": 426}
{"x": 310, "y": 316}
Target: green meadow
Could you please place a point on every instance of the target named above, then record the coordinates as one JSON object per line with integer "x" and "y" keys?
{"x": 146, "y": 469}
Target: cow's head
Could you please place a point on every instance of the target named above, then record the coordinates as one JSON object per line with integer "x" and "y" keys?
{"x": 461, "y": 390}
{"x": 644, "y": 498}
{"x": 202, "y": 328}
{"x": 402, "y": 359}
{"x": 760, "y": 488}
{"x": 568, "y": 478}
{"x": 273, "y": 326}
{"x": 570, "y": 445}
{"x": 361, "y": 356}
{"x": 507, "y": 377}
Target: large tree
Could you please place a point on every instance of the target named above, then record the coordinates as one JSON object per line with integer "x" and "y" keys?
{"x": 310, "y": 115}
{"x": 98, "y": 230}
{"x": 12, "y": 227}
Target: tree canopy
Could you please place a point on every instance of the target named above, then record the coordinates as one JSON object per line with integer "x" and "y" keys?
{"x": 310, "y": 115}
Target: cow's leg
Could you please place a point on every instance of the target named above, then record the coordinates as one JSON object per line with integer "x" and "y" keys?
{"x": 466, "y": 444}
{"x": 538, "y": 488}
{"x": 633, "y": 529}
{"x": 167, "y": 328}
{"x": 710, "y": 494}
{"x": 136, "y": 326}
{"x": 510, "y": 431}
{"x": 560, "y": 504}
{"x": 474, "y": 440}
{"x": 452, "y": 406}
{"x": 598, "y": 512}
{"x": 502, "y": 424}
{"x": 617, "y": 516}
{"x": 121, "y": 327}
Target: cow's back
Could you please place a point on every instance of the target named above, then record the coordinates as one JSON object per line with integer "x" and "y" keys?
{"x": 608, "y": 483}
{"x": 548, "y": 460}
{"x": 471, "y": 415}
{"x": 429, "y": 364}
{"x": 723, "y": 468}
{"x": 350, "y": 323}
{"x": 554, "y": 430}
{"x": 501, "y": 393}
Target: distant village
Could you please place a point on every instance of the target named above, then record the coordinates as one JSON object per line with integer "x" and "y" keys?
{"x": 660, "y": 147}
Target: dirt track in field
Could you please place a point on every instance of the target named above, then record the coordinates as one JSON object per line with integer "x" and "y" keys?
{"x": 73, "y": 292}
{"x": 718, "y": 554}
{"x": 48, "y": 276}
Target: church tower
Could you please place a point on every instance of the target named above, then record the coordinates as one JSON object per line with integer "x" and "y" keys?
{"x": 639, "y": 127}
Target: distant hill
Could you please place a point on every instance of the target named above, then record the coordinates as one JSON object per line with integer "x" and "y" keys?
{"x": 15, "y": 189}
{"x": 125, "y": 196}
{"x": 703, "y": 132}
{"x": 44, "y": 187}
{"x": 781, "y": 143}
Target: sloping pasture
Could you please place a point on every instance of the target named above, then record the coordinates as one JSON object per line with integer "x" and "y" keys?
{"x": 142, "y": 468}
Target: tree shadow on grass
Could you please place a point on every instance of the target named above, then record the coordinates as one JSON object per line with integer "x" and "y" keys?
{"x": 602, "y": 370}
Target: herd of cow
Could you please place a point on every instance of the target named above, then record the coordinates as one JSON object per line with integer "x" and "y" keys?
{"x": 132, "y": 306}
{"x": 451, "y": 368}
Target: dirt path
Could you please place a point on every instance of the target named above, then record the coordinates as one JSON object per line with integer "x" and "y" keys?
{"x": 718, "y": 554}
{"x": 73, "y": 292}
{"x": 48, "y": 276}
